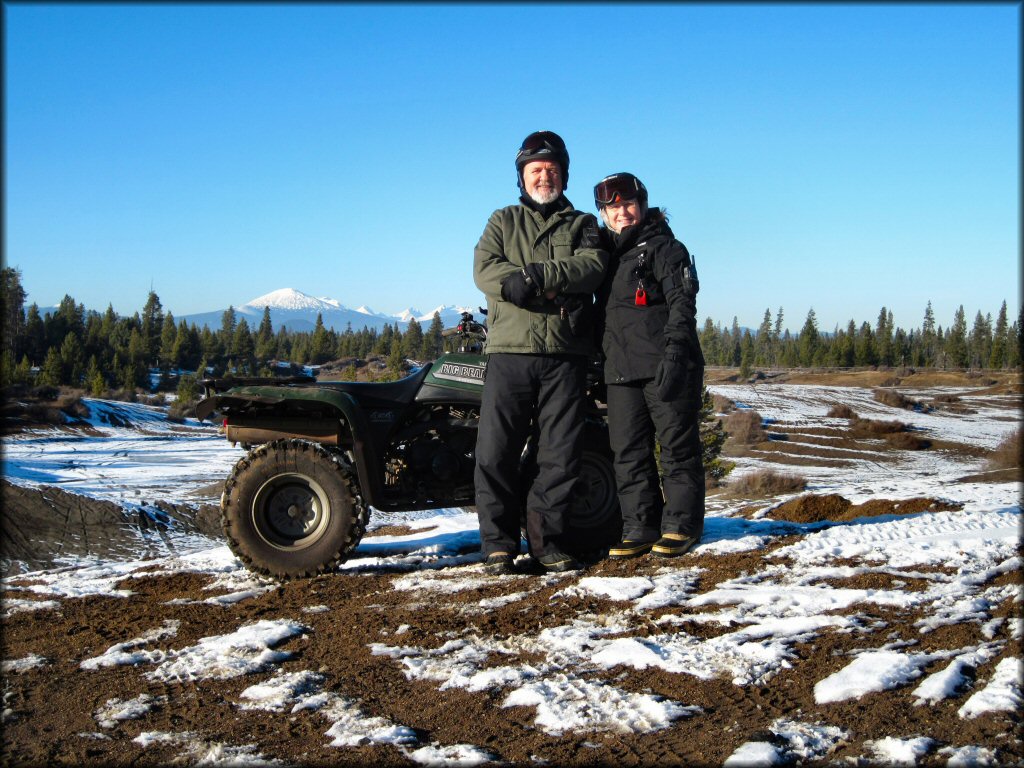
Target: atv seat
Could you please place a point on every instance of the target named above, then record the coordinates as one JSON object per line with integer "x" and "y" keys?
{"x": 402, "y": 391}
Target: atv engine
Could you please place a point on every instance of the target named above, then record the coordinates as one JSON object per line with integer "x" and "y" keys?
{"x": 433, "y": 458}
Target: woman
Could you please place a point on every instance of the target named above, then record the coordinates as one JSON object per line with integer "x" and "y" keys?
{"x": 654, "y": 370}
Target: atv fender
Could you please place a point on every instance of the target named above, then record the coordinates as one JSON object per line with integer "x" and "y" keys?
{"x": 245, "y": 407}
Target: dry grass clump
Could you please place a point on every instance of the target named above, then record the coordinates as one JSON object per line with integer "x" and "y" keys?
{"x": 1007, "y": 455}
{"x": 893, "y": 398}
{"x": 946, "y": 399}
{"x": 178, "y": 411}
{"x": 907, "y": 441}
{"x": 767, "y": 482}
{"x": 71, "y": 404}
{"x": 871, "y": 427}
{"x": 722, "y": 403}
{"x": 841, "y": 411}
{"x": 745, "y": 427}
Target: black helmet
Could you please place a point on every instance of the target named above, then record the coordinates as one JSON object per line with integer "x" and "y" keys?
{"x": 543, "y": 145}
{"x": 617, "y": 187}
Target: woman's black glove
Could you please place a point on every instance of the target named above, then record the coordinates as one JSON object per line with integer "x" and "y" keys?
{"x": 673, "y": 374}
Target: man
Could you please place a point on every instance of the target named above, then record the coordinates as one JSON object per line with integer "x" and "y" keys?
{"x": 530, "y": 256}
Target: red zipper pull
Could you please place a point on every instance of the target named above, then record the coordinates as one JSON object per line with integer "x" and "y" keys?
{"x": 641, "y": 295}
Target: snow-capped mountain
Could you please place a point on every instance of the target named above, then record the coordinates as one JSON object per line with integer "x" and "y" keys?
{"x": 290, "y": 299}
{"x": 297, "y": 311}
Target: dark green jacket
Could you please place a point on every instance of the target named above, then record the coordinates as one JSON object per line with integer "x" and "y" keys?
{"x": 567, "y": 245}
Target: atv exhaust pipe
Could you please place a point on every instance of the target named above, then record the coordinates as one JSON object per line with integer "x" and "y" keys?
{"x": 302, "y": 429}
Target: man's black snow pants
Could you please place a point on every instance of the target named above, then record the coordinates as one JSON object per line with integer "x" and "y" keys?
{"x": 634, "y": 413}
{"x": 542, "y": 394}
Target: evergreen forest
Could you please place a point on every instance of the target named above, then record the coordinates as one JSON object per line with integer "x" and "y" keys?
{"x": 99, "y": 351}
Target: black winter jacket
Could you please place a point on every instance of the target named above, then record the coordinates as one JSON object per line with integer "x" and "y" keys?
{"x": 646, "y": 261}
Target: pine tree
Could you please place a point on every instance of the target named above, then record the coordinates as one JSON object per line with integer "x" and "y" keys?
{"x": 883, "y": 337}
{"x": 763, "y": 342}
{"x": 809, "y": 341}
{"x": 319, "y": 346}
{"x": 979, "y": 343}
{"x": 12, "y": 312}
{"x": 35, "y": 336}
{"x": 226, "y": 334}
{"x": 864, "y": 352}
{"x": 72, "y": 361}
{"x": 956, "y": 340}
{"x": 712, "y": 440}
{"x": 412, "y": 339}
{"x": 152, "y": 327}
{"x": 746, "y": 355}
{"x": 395, "y": 358}
{"x": 7, "y": 369}
{"x": 266, "y": 345}
{"x": 23, "y": 371}
{"x": 188, "y": 389}
{"x": 94, "y": 378}
{"x": 929, "y": 341}
{"x": 433, "y": 340}
{"x": 383, "y": 344}
{"x": 52, "y": 372}
{"x": 168, "y": 335}
{"x": 1015, "y": 347}
{"x": 997, "y": 359}
{"x": 777, "y": 337}
{"x": 136, "y": 372}
{"x": 243, "y": 350}
{"x": 710, "y": 343}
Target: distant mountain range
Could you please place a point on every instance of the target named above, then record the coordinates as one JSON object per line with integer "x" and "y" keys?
{"x": 297, "y": 311}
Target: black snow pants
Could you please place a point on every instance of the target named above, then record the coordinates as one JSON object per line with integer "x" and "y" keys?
{"x": 524, "y": 394}
{"x": 634, "y": 414}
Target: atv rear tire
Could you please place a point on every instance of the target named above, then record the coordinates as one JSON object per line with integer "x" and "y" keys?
{"x": 595, "y": 514}
{"x": 292, "y": 508}
{"x": 594, "y": 517}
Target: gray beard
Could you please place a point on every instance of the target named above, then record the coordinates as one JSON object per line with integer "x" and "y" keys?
{"x": 544, "y": 198}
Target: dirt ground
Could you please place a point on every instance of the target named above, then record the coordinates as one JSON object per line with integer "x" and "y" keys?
{"x": 50, "y": 710}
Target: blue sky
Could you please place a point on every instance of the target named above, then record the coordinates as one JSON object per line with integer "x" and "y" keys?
{"x": 835, "y": 157}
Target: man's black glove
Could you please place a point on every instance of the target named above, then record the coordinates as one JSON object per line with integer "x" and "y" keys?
{"x": 535, "y": 271}
{"x": 519, "y": 288}
{"x": 673, "y": 374}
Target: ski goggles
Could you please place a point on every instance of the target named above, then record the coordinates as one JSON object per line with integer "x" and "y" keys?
{"x": 619, "y": 187}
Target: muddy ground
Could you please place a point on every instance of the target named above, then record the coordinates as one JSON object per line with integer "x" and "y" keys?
{"x": 49, "y": 711}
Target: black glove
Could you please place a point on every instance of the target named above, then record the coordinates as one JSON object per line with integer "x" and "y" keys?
{"x": 518, "y": 288}
{"x": 672, "y": 375}
{"x": 535, "y": 270}
{"x": 576, "y": 307}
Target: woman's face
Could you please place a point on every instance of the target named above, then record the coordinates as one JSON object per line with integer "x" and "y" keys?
{"x": 618, "y": 216}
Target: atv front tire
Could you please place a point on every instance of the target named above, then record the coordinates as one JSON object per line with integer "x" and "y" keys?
{"x": 292, "y": 508}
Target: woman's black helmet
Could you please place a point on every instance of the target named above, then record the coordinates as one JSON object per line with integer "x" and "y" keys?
{"x": 543, "y": 145}
{"x": 619, "y": 187}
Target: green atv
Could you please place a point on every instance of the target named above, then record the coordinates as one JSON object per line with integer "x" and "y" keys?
{"x": 321, "y": 453}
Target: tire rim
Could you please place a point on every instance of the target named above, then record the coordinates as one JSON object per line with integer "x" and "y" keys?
{"x": 291, "y": 511}
{"x": 601, "y": 496}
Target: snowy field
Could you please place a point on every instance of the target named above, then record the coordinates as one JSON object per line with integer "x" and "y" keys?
{"x": 954, "y": 554}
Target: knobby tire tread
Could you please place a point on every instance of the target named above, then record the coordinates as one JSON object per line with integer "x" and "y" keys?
{"x": 289, "y": 452}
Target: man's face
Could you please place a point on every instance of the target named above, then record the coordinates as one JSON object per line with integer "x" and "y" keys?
{"x": 618, "y": 216}
{"x": 542, "y": 181}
